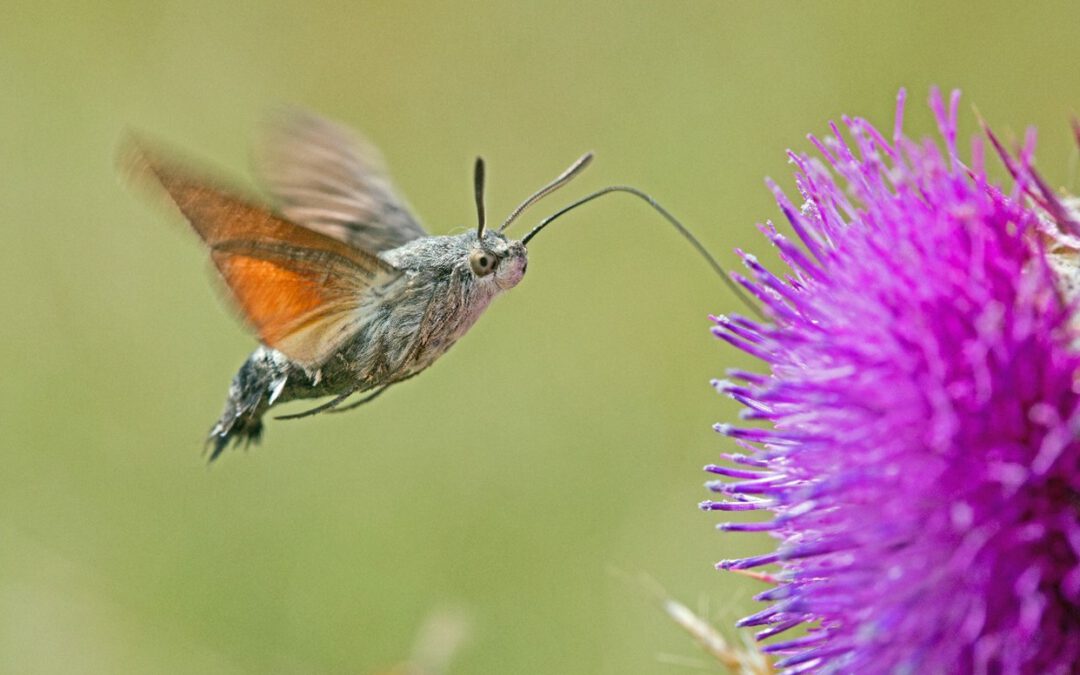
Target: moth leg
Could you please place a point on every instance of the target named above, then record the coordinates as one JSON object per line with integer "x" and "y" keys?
{"x": 356, "y": 404}
{"x": 319, "y": 408}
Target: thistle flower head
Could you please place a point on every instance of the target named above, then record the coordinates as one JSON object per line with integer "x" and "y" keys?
{"x": 920, "y": 447}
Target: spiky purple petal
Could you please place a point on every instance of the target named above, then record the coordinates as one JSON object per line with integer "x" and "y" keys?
{"x": 921, "y": 458}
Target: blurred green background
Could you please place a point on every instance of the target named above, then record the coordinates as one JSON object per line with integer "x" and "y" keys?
{"x": 543, "y": 464}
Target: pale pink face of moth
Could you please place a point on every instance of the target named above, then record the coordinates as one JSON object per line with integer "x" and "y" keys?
{"x": 511, "y": 268}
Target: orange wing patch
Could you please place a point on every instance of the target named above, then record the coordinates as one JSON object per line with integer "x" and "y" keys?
{"x": 296, "y": 307}
{"x": 301, "y": 291}
{"x": 283, "y": 306}
{"x": 293, "y": 296}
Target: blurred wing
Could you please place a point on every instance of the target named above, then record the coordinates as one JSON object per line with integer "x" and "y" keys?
{"x": 303, "y": 292}
{"x": 329, "y": 180}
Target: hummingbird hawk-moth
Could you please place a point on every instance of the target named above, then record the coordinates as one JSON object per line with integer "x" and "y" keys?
{"x": 346, "y": 291}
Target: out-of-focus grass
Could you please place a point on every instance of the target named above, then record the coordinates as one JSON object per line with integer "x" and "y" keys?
{"x": 562, "y": 437}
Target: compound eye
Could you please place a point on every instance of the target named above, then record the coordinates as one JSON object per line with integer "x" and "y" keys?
{"x": 481, "y": 262}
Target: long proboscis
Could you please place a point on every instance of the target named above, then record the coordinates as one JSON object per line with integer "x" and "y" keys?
{"x": 561, "y": 180}
{"x": 734, "y": 287}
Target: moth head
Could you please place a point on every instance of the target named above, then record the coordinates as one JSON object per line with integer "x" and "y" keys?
{"x": 494, "y": 256}
{"x": 498, "y": 260}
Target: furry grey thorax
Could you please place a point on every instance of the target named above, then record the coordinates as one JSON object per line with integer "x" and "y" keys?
{"x": 404, "y": 327}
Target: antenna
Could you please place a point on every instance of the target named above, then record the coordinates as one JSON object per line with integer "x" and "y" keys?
{"x": 562, "y": 179}
{"x": 478, "y": 187}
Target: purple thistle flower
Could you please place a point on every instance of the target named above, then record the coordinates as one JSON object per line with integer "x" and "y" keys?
{"x": 920, "y": 446}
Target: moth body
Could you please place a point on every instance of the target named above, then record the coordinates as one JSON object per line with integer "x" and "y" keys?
{"x": 345, "y": 289}
{"x": 414, "y": 320}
